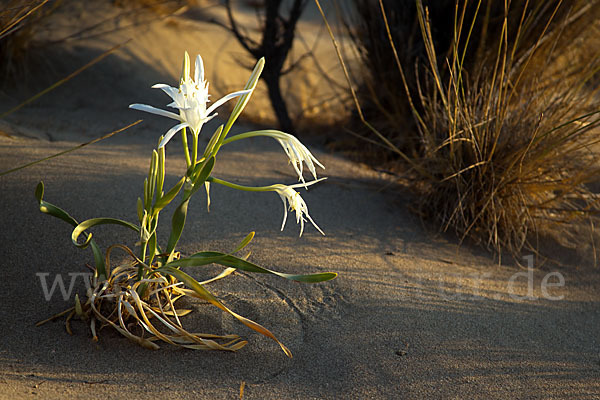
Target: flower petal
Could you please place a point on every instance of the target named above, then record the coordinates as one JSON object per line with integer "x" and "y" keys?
{"x": 154, "y": 110}
{"x": 169, "y": 135}
{"x": 169, "y": 90}
{"x": 225, "y": 99}
{"x": 185, "y": 70}
{"x": 304, "y": 185}
{"x": 296, "y": 203}
{"x": 314, "y": 224}
{"x": 284, "y": 210}
{"x": 199, "y": 72}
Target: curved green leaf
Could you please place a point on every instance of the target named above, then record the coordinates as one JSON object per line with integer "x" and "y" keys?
{"x": 202, "y": 293}
{"x": 97, "y": 221}
{"x": 163, "y": 201}
{"x": 177, "y": 224}
{"x": 99, "y": 260}
{"x": 227, "y": 260}
{"x": 244, "y": 242}
{"x": 58, "y": 212}
{"x": 203, "y": 174}
{"x": 51, "y": 209}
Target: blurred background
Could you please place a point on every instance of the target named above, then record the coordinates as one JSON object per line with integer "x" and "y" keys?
{"x": 486, "y": 111}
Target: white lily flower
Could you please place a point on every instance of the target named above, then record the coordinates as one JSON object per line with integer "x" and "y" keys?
{"x": 297, "y": 152}
{"x": 190, "y": 99}
{"x": 296, "y": 203}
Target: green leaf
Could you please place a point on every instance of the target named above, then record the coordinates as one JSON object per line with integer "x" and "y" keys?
{"x": 194, "y": 169}
{"x": 243, "y": 100}
{"x": 244, "y": 242}
{"x": 177, "y": 224}
{"x": 147, "y": 200}
{"x": 51, "y": 209}
{"x": 152, "y": 177}
{"x": 57, "y": 212}
{"x": 203, "y": 174}
{"x": 202, "y": 293}
{"x": 227, "y": 260}
{"x": 169, "y": 196}
{"x": 99, "y": 261}
{"x": 213, "y": 141}
{"x": 161, "y": 172}
{"x": 140, "y": 209}
{"x": 180, "y": 214}
{"x": 97, "y": 221}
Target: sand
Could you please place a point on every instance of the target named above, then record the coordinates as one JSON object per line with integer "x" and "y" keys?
{"x": 411, "y": 314}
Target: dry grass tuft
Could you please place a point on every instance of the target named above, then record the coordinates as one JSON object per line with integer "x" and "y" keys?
{"x": 143, "y": 319}
{"x": 505, "y": 111}
{"x": 19, "y": 24}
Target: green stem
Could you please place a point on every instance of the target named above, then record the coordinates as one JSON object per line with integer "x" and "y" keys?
{"x": 194, "y": 149}
{"x": 267, "y": 132}
{"x": 142, "y": 257}
{"x": 186, "y": 150}
{"x": 241, "y": 187}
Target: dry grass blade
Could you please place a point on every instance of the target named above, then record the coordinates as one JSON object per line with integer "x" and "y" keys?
{"x": 71, "y": 149}
{"x": 381, "y": 137}
{"x": 24, "y": 12}
{"x": 64, "y": 80}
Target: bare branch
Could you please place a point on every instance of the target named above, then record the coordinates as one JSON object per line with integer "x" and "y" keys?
{"x": 295, "y": 64}
{"x": 290, "y": 24}
{"x": 245, "y": 41}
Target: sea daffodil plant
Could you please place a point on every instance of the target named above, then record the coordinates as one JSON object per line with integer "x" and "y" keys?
{"x": 138, "y": 296}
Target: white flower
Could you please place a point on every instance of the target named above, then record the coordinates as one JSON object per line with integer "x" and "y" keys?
{"x": 292, "y": 198}
{"x": 296, "y": 152}
{"x": 294, "y": 149}
{"x": 190, "y": 99}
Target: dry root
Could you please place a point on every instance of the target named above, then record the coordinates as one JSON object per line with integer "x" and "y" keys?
{"x": 130, "y": 307}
